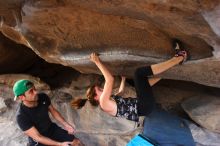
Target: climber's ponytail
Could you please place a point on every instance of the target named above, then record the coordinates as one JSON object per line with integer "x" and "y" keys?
{"x": 90, "y": 94}
{"x": 78, "y": 103}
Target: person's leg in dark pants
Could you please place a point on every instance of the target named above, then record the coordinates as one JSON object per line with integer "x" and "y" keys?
{"x": 33, "y": 143}
{"x": 59, "y": 134}
{"x": 146, "y": 100}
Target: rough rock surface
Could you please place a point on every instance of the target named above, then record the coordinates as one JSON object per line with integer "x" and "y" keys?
{"x": 3, "y": 107}
{"x": 125, "y": 33}
{"x": 204, "y": 137}
{"x": 14, "y": 57}
{"x": 204, "y": 110}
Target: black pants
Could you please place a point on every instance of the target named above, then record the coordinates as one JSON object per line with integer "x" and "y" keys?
{"x": 55, "y": 133}
{"x": 146, "y": 100}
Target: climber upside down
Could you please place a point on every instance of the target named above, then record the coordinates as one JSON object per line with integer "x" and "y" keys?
{"x": 129, "y": 108}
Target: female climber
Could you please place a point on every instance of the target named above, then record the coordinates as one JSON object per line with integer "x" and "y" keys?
{"x": 129, "y": 108}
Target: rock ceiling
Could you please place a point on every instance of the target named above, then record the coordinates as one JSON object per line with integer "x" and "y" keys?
{"x": 125, "y": 33}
